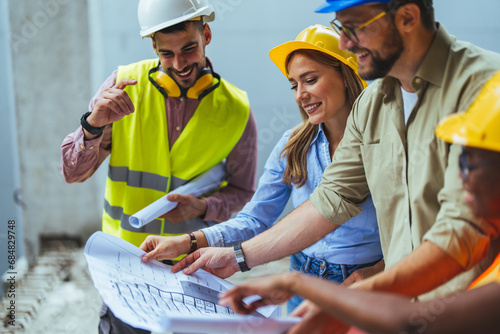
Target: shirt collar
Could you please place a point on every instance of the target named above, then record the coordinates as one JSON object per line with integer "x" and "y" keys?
{"x": 433, "y": 65}
{"x": 321, "y": 133}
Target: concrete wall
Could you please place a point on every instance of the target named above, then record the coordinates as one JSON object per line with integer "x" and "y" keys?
{"x": 11, "y": 226}
{"x": 51, "y": 66}
{"x": 62, "y": 50}
{"x": 473, "y": 21}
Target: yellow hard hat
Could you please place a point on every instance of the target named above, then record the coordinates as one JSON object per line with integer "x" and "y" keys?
{"x": 316, "y": 37}
{"x": 479, "y": 126}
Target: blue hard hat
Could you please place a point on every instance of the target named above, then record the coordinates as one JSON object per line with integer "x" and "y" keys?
{"x": 337, "y": 5}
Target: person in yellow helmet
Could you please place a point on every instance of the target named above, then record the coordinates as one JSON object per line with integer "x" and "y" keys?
{"x": 325, "y": 84}
{"x": 475, "y": 311}
{"x": 162, "y": 122}
{"x": 420, "y": 75}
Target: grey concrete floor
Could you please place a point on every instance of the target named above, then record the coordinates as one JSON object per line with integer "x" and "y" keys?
{"x": 57, "y": 296}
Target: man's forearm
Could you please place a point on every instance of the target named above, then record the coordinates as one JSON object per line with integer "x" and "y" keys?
{"x": 300, "y": 229}
{"x": 465, "y": 313}
{"x": 355, "y": 307}
{"x": 423, "y": 270}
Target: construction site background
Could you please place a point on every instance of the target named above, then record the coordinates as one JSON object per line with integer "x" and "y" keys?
{"x": 54, "y": 54}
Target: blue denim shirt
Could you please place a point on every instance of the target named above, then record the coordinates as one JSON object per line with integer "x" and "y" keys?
{"x": 355, "y": 242}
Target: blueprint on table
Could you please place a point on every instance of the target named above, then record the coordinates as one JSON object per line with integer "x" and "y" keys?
{"x": 151, "y": 297}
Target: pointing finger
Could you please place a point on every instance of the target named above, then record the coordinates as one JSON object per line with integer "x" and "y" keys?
{"x": 124, "y": 83}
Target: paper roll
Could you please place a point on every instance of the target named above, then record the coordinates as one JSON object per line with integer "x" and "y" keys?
{"x": 200, "y": 185}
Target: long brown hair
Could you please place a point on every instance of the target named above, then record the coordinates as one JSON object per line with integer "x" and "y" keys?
{"x": 295, "y": 150}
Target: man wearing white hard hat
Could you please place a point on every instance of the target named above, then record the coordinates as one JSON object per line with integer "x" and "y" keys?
{"x": 429, "y": 235}
{"x": 164, "y": 121}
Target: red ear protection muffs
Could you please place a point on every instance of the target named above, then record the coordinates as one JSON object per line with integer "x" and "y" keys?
{"x": 169, "y": 87}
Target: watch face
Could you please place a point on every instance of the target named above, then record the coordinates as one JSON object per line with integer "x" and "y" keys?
{"x": 240, "y": 258}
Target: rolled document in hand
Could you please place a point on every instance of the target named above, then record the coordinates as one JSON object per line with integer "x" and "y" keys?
{"x": 198, "y": 186}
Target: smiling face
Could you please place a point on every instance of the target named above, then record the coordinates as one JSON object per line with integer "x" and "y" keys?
{"x": 380, "y": 44}
{"x": 182, "y": 53}
{"x": 319, "y": 89}
{"x": 482, "y": 185}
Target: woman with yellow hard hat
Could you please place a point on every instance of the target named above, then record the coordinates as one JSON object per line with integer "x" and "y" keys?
{"x": 475, "y": 311}
{"x": 325, "y": 83}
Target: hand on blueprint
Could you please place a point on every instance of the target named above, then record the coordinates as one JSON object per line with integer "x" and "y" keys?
{"x": 165, "y": 248}
{"x": 219, "y": 261}
{"x": 188, "y": 207}
{"x": 277, "y": 289}
{"x": 274, "y": 290}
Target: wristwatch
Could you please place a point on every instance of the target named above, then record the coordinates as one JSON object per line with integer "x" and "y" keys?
{"x": 193, "y": 242}
{"x": 91, "y": 129}
{"x": 240, "y": 258}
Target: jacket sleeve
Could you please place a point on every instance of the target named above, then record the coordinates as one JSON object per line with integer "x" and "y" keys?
{"x": 81, "y": 158}
{"x": 457, "y": 231}
{"x": 343, "y": 188}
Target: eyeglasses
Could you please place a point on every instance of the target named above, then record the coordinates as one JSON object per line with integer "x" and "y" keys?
{"x": 466, "y": 167}
{"x": 351, "y": 32}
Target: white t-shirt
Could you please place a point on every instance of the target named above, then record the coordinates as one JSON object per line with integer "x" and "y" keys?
{"x": 409, "y": 100}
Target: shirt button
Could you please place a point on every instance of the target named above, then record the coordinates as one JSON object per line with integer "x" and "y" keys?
{"x": 418, "y": 81}
{"x": 81, "y": 146}
{"x": 182, "y": 99}
{"x": 178, "y": 128}
{"x": 91, "y": 147}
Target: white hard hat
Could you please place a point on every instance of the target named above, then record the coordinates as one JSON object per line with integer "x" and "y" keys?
{"x": 155, "y": 15}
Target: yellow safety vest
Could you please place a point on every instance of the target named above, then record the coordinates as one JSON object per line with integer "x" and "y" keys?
{"x": 491, "y": 274}
{"x": 142, "y": 168}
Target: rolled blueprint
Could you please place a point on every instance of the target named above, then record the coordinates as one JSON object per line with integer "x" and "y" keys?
{"x": 200, "y": 185}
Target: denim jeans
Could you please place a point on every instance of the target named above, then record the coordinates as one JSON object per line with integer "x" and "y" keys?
{"x": 320, "y": 268}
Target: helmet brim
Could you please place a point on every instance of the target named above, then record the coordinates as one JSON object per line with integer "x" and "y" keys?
{"x": 207, "y": 13}
{"x": 478, "y": 126}
{"x": 338, "y": 5}
{"x": 280, "y": 53}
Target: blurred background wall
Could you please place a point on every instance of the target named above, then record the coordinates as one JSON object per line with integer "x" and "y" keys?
{"x": 54, "y": 54}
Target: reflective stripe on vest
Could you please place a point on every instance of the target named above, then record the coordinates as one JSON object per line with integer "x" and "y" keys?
{"x": 138, "y": 179}
{"x": 491, "y": 274}
{"x": 143, "y": 169}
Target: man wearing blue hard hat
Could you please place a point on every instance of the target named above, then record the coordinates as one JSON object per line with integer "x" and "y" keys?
{"x": 432, "y": 243}
{"x": 335, "y": 6}
{"x": 423, "y": 75}
{"x": 429, "y": 235}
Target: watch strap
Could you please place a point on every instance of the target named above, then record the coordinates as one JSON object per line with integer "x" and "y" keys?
{"x": 91, "y": 129}
{"x": 194, "y": 242}
{"x": 240, "y": 258}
